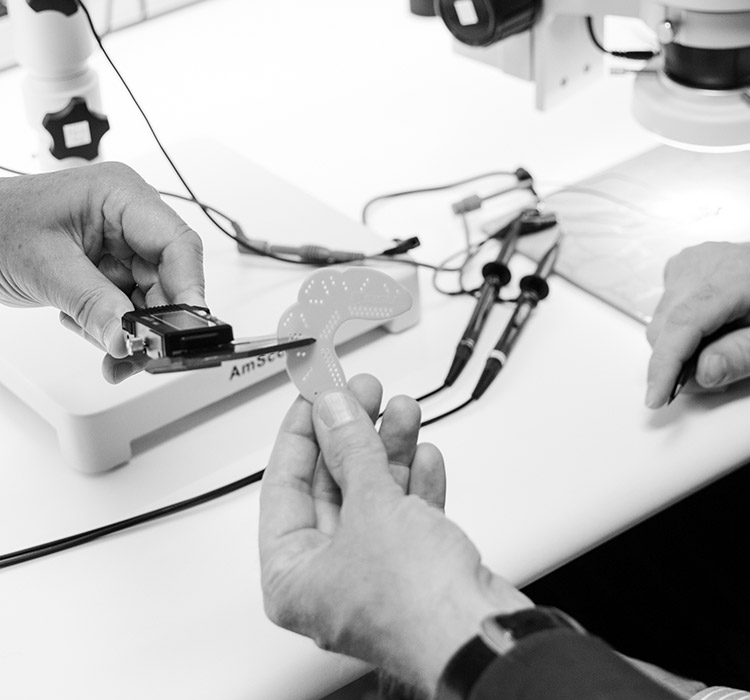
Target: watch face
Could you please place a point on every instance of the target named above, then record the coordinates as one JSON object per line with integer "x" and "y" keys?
{"x": 501, "y": 632}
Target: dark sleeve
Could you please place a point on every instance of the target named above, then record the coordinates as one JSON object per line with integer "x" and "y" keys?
{"x": 565, "y": 665}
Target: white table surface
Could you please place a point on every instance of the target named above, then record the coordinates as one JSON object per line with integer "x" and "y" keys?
{"x": 345, "y": 99}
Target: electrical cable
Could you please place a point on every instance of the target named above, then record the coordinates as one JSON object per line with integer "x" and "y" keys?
{"x": 436, "y": 188}
{"x": 235, "y": 225}
{"x": 386, "y": 255}
{"x": 453, "y": 410}
{"x": 496, "y": 235}
{"x": 312, "y": 255}
{"x": 238, "y": 236}
{"x": 469, "y": 255}
{"x": 38, "y": 551}
{"x": 62, "y": 544}
{"x": 442, "y": 267}
{"x": 28, "y": 554}
{"x": 524, "y": 181}
{"x": 413, "y": 263}
{"x": 632, "y": 55}
{"x": 432, "y": 393}
{"x": 48, "y": 548}
{"x": 11, "y": 170}
{"x": 157, "y": 140}
{"x": 42, "y": 550}
{"x": 614, "y": 199}
{"x": 471, "y": 252}
{"x": 240, "y": 239}
{"x": 232, "y": 222}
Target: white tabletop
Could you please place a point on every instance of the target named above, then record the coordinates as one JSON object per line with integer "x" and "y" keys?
{"x": 345, "y": 100}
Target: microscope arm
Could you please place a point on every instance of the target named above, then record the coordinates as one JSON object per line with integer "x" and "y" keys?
{"x": 693, "y": 94}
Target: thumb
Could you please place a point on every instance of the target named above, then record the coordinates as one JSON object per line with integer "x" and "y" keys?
{"x": 725, "y": 361}
{"x": 351, "y": 447}
{"x": 91, "y": 305}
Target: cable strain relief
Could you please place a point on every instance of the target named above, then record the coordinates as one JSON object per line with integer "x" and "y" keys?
{"x": 245, "y": 245}
{"x": 635, "y": 55}
{"x": 460, "y": 359}
{"x": 467, "y": 204}
{"x": 533, "y": 284}
{"x": 491, "y": 370}
{"x": 496, "y": 269}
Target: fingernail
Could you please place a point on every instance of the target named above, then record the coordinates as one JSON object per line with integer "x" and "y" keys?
{"x": 337, "y": 409}
{"x": 123, "y": 370}
{"x": 651, "y": 401}
{"x": 713, "y": 370}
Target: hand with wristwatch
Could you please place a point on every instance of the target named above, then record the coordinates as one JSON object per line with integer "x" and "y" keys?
{"x": 357, "y": 554}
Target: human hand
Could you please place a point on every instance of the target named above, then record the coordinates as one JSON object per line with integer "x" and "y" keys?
{"x": 94, "y": 242}
{"x": 355, "y": 550}
{"x": 707, "y": 288}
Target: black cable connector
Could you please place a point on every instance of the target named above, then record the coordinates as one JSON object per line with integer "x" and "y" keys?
{"x": 403, "y": 246}
{"x": 631, "y": 55}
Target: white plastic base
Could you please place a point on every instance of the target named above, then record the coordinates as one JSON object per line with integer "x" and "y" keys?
{"x": 59, "y": 376}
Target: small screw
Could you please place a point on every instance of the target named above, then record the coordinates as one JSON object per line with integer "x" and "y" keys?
{"x": 666, "y": 32}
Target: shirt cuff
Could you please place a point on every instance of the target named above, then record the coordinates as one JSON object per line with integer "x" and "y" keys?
{"x": 721, "y": 693}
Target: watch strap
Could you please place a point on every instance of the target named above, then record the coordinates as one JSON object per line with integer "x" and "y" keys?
{"x": 565, "y": 665}
{"x": 497, "y": 636}
{"x": 464, "y": 668}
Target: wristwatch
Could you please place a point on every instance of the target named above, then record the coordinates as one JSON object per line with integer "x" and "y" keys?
{"x": 497, "y": 636}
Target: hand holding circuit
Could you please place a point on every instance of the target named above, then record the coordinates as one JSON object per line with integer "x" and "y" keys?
{"x": 355, "y": 550}
{"x": 95, "y": 242}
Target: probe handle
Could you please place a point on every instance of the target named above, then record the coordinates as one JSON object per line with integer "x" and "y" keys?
{"x": 496, "y": 275}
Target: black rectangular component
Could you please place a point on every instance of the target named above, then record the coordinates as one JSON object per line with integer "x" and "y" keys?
{"x": 174, "y": 330}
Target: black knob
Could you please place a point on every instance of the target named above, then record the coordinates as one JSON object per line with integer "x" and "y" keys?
{"x": 423, "y": 8}
{"x": 496, "y": 269}
{"x": 76, "y": 131}
{"x": 536, "y": 286}
{"x": 67, "y": 7}
{"x": 484, "y": 22}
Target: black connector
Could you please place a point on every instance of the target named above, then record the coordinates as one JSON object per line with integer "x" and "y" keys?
{"x": 403, "y": 246}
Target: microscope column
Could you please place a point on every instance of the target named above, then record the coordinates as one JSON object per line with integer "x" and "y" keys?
{"x": 63, "y": 104}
